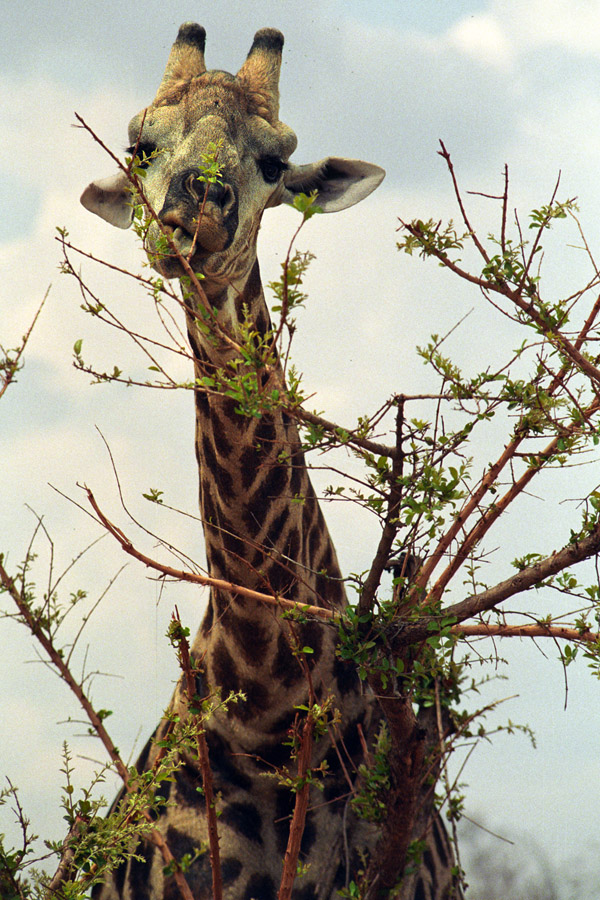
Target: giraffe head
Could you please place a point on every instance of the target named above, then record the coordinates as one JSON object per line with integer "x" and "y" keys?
{"x": 196, "y": 112}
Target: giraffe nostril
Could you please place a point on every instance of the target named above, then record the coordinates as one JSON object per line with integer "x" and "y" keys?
{"x": 201, "y": 191}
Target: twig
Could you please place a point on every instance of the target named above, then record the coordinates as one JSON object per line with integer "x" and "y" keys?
{"x": 206, "y": 580}
{"x": 202, "y": 749}
{"x": 540, "y": 629}
{"x": 11, "y": 366}
{"x": 290, "y": 860}
{"x": 390, "y": 528}
{"x": 65, "y": 673}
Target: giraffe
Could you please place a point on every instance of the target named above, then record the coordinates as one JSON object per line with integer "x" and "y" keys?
{"x": 263, "y": 525}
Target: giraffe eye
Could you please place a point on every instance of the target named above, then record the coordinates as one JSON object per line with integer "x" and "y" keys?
{"x": 271, "y": 168}
{"x": 143, "y": 151}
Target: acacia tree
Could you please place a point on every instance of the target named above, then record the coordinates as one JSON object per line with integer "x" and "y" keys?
{"x": 437, "y": 504}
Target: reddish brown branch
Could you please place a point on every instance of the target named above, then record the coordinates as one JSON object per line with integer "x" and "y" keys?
{"x": 292, "y": 852}
{"x": 553, "y": 335}
{"x": 487, "y": 519}
{"x": 390, "y": 527}
{"x": 407, "y": 770}
{"x": 539, "y": 629}
{"x": 523, "y": 580}
{"x": 415, "y": 630}
{"x": 206, "y": 580}
{"x": 465, "y": 513}
{"x": 202, "y": 750}
{"x": 11, "y": 367}
{"x": 65, "y": 673}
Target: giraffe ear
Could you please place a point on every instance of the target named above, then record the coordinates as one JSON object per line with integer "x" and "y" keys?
{"x": 339, "y": 182}
{"x": 110, "y": 198}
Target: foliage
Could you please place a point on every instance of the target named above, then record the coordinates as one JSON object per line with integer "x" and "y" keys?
{"x": 436, "y": 500}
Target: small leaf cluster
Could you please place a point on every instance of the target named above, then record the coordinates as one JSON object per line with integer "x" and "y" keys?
{"x": 370, "y": 802}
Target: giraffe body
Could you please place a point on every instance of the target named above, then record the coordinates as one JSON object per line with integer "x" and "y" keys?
{"x": 262, "y": 522}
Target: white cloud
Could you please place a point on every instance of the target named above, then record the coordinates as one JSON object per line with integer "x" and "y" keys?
{"x": 483, "y": 37}
{"x": 574, "y": 27}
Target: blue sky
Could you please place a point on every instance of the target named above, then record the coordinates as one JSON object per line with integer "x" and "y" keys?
{"x": 514, "y": 81}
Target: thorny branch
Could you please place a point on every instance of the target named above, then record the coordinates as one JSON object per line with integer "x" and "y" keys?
{"x": 408, "y": 630}
{"x": 202, "y": 750}
{"x": 10, "y": 360}
{"x": 304, "y": 756}
{"x": 95, "y": 720}
{"x": 390, "y": 527}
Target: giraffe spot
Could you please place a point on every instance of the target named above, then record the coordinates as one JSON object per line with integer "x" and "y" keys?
{"x": 316, "y": 535}
{"x": 279, "y": 579}
{"x": 218, "y": 567}
{"x": 274, "y": 755}
{"x": 226, "y": 675}
{"x": 273, "y": 535}
{"x": 311, "y": 635}
{"x": 427, "y": 860}
{"x": 223, "y": 446}
{"x": 346, "y": 676}
{"x": 245, "y": 819}
{"x": 270, "y": 488}
{"x": 227, "y": 775}
{"x": 308, "y": 512}
{"x": 329, "y": 590}
{"x": 202, "y": 405}
{"x": 306, "y": 892}
{"x": 119, "y": 878}
{"x": 239, "y": 422}
{"x": 208, "y": 506}
{"x": 223, "y": 480}
{"x": 420, "y": 890}
{"x": 326, "y": 561}
{"x": 283, "y": 724}
{"x": 252, "y": 524}
{"x": 225, "y": 670}
{"x": 284, "y": 808}
{"x": 207, "y": 621}
{"x": 285, "y": 668}
{"x": 335, "y": 595}
{"x": 252, "y": 639}
{"x": 335, "y": 791}
{"x": 349, "y": 747}
{"x": 260, "y": 887}
{"x": 309, "y": 835}
{"x": 265, "y": 434}
{"x": 293, "y": 544}
{"x": 230, "y": 869}
{"x": 232, "y": 544}
{"x": 198, "y": 875}
{"x": 139, "y": 871}
{"x": 339, "y": 880}
{"x": 252, "y": 290}
{"x": 441, "y": 842}
{"x": 188, "y": 780}
{"x": 257, "y": 700}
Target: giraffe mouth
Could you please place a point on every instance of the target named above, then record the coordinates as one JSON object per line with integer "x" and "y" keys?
{"x": 196, "y": 242}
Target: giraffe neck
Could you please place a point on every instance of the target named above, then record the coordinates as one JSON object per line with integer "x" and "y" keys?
{"x": 263, "y": 529}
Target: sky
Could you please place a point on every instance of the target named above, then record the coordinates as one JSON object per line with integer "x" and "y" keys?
{"x": 500, "y": 81}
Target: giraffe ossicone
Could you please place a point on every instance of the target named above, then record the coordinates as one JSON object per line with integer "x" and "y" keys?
{"x": 239, "y": 115}
{"x": 263, "y": 525}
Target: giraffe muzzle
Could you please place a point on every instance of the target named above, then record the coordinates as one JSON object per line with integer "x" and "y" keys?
{"x": 200, "y": 216}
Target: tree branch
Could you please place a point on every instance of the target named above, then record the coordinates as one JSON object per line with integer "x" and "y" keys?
{"x": 206, "y": 580}
{"x": 202, "y": 750}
